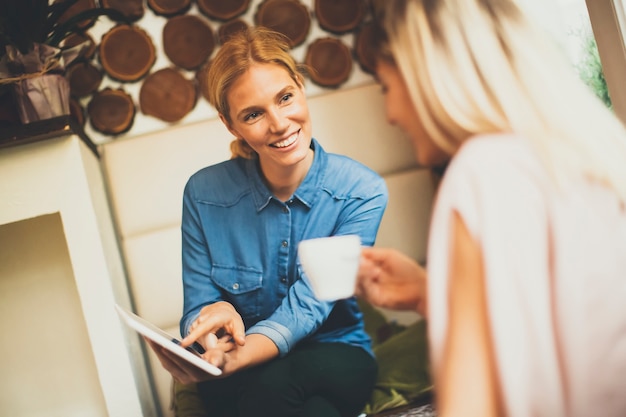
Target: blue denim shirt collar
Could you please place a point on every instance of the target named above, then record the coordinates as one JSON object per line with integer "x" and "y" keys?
{"x": 308, "y": 191}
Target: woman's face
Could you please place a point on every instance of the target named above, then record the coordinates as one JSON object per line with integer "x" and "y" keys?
{"x": 402, "y": 113}
{"x": 269, "y": 111}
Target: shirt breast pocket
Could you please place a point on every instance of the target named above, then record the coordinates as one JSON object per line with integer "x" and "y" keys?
{"x": 242, "y": 288}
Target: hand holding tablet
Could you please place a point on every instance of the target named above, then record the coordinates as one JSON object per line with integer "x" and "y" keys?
{"x": 192, "y": 354}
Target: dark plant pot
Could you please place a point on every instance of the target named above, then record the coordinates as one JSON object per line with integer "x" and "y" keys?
{"x": 42, "y": 97}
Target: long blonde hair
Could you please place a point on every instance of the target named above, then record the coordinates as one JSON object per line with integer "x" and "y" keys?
{"x": 480, "y": 66}
{"x": 234, "y": 58}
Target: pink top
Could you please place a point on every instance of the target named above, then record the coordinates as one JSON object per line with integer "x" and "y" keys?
{"x": 555, "y": 265}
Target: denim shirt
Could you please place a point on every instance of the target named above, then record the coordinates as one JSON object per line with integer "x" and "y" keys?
{"x": 239, "y": 244}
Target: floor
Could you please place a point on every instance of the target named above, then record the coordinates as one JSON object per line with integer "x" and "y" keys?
{"x": 419, "y": 411}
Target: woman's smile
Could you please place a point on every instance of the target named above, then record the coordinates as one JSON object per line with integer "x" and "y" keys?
{"x": 290, "y": 140}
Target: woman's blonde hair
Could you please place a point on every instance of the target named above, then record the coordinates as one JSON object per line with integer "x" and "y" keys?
{"x": 479, "y": 66}
{"x": 234, "y": 58}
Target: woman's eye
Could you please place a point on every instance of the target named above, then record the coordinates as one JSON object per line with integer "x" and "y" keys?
{"x": 286, "y": 97}
{"x": 251, "y": 116}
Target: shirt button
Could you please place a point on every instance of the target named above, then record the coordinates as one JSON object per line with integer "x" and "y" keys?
{"x": 235, "y": 286}
{"x": 285, "y": 210}
{"x": 284, "y": 244}
{"x": 290, "y": 201}
{"x": 283, "y": 279}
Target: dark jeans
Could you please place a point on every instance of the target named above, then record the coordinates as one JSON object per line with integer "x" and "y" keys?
{"x": 316, "y": 380}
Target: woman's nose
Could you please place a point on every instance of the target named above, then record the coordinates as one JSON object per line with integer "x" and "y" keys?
{"x": 278, "y": 122}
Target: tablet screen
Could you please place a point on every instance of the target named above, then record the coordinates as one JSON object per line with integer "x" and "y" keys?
{"x": 191, "y": 354}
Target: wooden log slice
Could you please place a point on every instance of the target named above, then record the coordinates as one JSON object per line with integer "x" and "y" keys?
{"x": 330, "y": 61}
{"x": 126, "y": 53}
{"x": 111, "y": 111}
{"x": 84, "y": 78}
{"x": 132, "y": 9}
{"x": 77, "y": 111}
{"x": 223, "y": 9}
{"x": 167, "y": 95}
{"x": 202, "y": 79}
{"x": 79, "y": 38}
{"x": 229, "y": 28}
{"x": 188, "y": 41}
{"x": 340, "y": 16}
{"x": 363, "y": 42}
{"x": 289, "y": 17}
{"x": 169, "y": 7}
{"x": 78, "y": 7}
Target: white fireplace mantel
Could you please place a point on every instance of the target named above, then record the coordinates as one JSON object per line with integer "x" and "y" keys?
{"x": 62, "y": 176}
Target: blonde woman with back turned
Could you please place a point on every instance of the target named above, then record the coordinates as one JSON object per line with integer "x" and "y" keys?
{"x": 526, "y": 287}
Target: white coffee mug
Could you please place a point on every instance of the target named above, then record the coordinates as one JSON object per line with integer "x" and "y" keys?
{"x": 331, "y": 265}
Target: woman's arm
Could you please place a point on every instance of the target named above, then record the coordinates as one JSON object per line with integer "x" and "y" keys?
{"x": 466, "y": 384}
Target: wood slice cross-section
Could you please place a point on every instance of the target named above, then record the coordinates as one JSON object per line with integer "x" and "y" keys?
{"x": 126, "y": 53}
{"x": 84, "y": 78}
{"x": 169, "y": 7}
{"x": 330, "y": 60}
{"x": 227, "y": 29}
{"x": 202, "y": 79}
{"x": 131, "y": 9}
{"x": 78, "y": 38}
{"x": 167, "y": 95}
{"x": 78, "y": 7}
{"x": 363, "y": 42}
{"x": 223, "y": 9}
{"x": 111, "y": 111}
{"x": 339, "y": 16}
{"x": 289, "y": 17}
{"x": 77, "y": 111}
{"x": 188, "y": 41}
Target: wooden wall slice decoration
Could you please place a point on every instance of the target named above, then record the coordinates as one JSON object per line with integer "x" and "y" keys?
{"x": 340, "y": 16}
{"x": 229, "y": 28}
{"x": 289, "y": 17}
{"x": 167, "y": 95}
{"x": 201, "y": 78}
{"x": 126, "y": 53}
{"x": 330, "y": 61}
{"x": 132, "y": 9}
{"x": 76, "y": 39}
{"x": 188, "y": 41}
{"x": 111, "y": 111}
{"x": 363, "y": 42}
{"x": 77, "y": 111}
{"x": 78, "y": 7}
{"x": 223, "y": 9}
{"x": 169, "y": 7}
{"x": 84, "y": 78}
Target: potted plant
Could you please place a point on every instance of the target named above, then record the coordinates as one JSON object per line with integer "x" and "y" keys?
{"x": 32, "y": 60}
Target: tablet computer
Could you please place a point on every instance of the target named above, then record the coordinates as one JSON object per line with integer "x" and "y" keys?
{"x": 145, "y": 328}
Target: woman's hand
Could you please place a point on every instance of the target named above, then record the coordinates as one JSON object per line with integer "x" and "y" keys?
{"x": 180, "y": 369}
{"x": 389, "y": 279}
{"x": 219, "y": 326}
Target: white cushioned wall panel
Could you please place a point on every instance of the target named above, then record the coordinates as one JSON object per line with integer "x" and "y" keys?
{"x": 154, "y": 267}
{"x": 146, "y": 175}
{"x": 353, "y": 122}
{"x": 406, "y": 220}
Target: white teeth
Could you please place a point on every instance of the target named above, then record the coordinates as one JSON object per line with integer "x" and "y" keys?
{"x": 283, "y": 144}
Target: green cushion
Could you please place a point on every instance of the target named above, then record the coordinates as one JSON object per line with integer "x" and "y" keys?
{"x": 403, "y": 369}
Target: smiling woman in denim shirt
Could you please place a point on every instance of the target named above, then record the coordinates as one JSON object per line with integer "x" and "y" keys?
{"x": 282, "y": 351}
